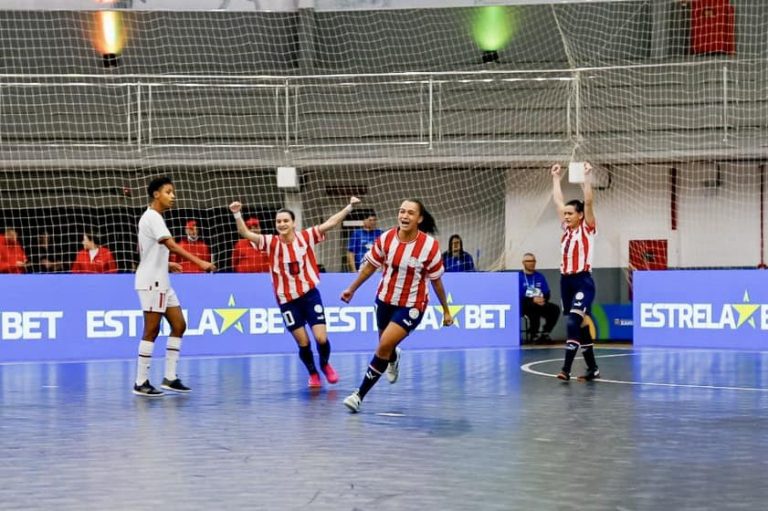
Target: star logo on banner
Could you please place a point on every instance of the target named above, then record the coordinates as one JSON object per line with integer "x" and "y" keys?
{"x": 231, "y": 316}
{"x": 455, "y": 309}
{"x": 745, "y": 310}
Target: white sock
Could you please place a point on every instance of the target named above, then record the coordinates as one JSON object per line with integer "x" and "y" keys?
{"x": 172, "y": 350}
{"x": 145, "y": 357}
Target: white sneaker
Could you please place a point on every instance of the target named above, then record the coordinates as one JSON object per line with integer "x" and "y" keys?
{"x": 353, "y": 402}
{"x": 393, "y": 368}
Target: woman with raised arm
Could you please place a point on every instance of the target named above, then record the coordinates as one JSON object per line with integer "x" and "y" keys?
{"x": 408, "y": 257}
{"x": 577, "y": 289}
{"x": 295, "y": 276}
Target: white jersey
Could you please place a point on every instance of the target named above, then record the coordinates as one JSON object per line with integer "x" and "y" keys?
{"x": 152, "y": 272}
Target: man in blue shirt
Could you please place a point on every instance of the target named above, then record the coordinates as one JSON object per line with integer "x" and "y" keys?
{"x": 361, "y": 240}
{"x": 534, "y": 300}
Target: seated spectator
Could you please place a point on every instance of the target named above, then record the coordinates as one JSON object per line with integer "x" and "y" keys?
{"x": 246, "y": 258}
{"x": 534, "y": 301}
{"x": 195, "y": 246}
{"x": 361, "y": 240}
{"x": 43, "y": 258}
{"x": 94, "y": 258}
{"x": 13, "y": 259}
{"x": 455, "y": 258}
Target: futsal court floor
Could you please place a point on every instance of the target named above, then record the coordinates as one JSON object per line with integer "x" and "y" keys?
{"x": 482, "y": 429}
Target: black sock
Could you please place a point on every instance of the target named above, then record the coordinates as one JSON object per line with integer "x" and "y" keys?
{"x": 589, "y": 357}
{"x": 586, "y": 335}
{"x": 372, "y": 375}
{"x": 570, "y": 353}
{"x": 324, "y": 350}
{"x": 305, "y": 354}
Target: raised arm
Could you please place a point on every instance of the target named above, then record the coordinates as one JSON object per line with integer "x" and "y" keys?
{"x": 589, "y": 212}
{"x": 557, "y": 192}
{"x": 242, "y": 229}
{"x": 437, "y": 286}
{"x": 366, "y": 270}
{"x": 338, "y": 217}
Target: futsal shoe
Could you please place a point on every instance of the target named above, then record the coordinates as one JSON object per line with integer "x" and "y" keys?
{"x": 562, "y": 375}
{"x": 353, "y": 402}
{"x": 393, "y": 368}
{"x": 314, "y": 381}
{"x": 330, "y": 374}
{"x": 591, "y": 374}
{"x": 147, "y": 390}
{"x": 175, "y": 385}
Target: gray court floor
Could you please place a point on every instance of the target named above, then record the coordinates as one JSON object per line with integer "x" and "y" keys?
{"x": 474, "y": 429}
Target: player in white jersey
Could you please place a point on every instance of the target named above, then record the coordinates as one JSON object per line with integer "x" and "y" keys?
{"x": 156, "y": 295}
{"x": 577, "y": 289}
{"x": 295, "y": 275}
{"x": 409, "y": 258}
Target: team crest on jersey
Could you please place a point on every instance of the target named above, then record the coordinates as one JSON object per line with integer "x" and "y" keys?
{"x": 413, "y": 313}
{"x": 414, "y": 262}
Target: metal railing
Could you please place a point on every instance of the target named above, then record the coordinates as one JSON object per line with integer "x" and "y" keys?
{"x": 400, "y": 109}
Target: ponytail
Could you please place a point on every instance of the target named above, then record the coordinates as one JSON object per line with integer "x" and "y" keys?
{"x": 428, "y": 224}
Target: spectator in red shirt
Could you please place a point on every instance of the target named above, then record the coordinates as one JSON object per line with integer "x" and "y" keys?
{"x": 246, "y": 257}
{"x": 94, "y": 258}
{"x": 13, "y": 259}
{"x": 195, "y": 246}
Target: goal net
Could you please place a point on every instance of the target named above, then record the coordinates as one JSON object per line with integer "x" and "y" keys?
{"x": 464, "y": 108}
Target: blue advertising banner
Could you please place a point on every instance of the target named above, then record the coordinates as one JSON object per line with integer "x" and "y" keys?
{"x": 701, "y": 309}
{"x": 83, "y": 317}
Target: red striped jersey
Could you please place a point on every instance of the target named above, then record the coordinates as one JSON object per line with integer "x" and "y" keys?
{"x": 293, "y": 265}
{"x": 406, "y": 267}
{"x": 576, "y": 248}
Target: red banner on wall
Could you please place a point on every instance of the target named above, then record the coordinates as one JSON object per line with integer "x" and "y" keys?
{"x": 712, "y": 27}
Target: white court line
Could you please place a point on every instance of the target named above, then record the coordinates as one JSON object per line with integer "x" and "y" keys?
{"x": 528, "y": 368}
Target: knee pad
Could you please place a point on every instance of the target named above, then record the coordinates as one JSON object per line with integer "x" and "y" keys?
{"x": 573, "y": 326}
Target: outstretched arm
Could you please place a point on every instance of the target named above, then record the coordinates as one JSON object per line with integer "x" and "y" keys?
{"x": 174, "y": 248}
{"x": 366, "y": 270}
{"x": 557, "y": 192}
{"x": 589, "y": 212}
{"x": 242, "y": 229}
{"x": 338, "y": 217}
{"x": 437, "y": 285}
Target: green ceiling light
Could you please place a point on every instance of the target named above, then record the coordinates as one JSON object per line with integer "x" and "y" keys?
{"x": 494, "y": 26}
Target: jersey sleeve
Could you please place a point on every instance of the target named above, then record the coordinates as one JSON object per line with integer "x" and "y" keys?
{"x": 158, "y": 229}
{"x": 376, "y": 255}
{"x": 265, "y": 242}
{"x": 313, "y": 236}
{"x": 434, "y": 264}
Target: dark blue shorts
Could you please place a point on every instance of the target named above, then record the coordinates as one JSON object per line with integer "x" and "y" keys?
{"x": 307, "y": 309}
{"x": 577, "y": 292}
{"x": 407, "y": 317}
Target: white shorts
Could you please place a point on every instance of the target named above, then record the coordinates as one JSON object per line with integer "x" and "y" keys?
{"x": 157, "y": 300}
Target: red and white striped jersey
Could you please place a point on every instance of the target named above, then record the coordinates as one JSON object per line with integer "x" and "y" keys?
{"x": 293, "y": 265}
{"x": 406, "y": 267}
{"x": 576, "y": 248}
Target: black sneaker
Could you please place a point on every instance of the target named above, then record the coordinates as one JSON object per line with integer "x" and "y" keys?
{"x": 591, "y": 374}
{"x": 174, "y": 385}
{"x": 562, "y": 375}
{"x": 147, "y": 390}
